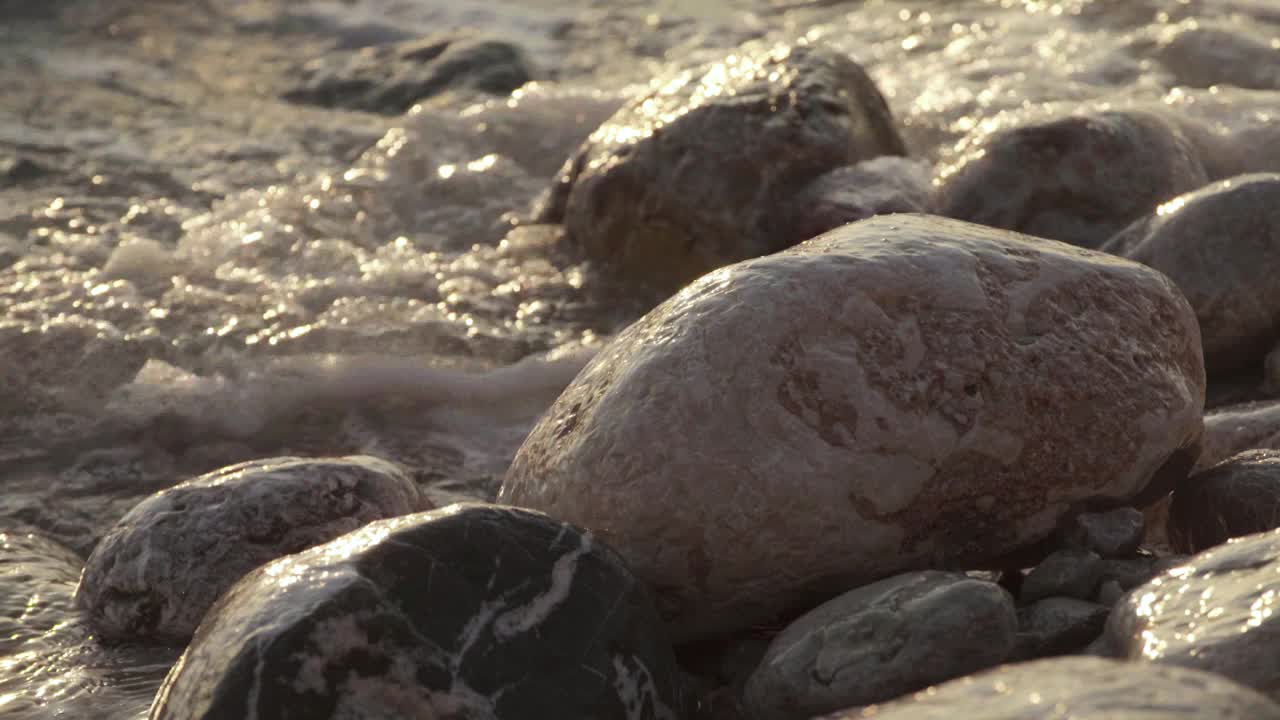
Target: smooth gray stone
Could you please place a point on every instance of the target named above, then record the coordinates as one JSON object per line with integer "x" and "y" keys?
{"x": 1058, "y": 625}
{"x": 1114, "y": 533}
{"x": 1069, "y": 572}
{"x": 881, "y": 641}
{"x": 1079, "y": 688}
{"x": 1216, "y": 612}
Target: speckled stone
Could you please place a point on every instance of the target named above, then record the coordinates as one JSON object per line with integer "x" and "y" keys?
{"x": 699, "y": 171}
{"x": 917, "y": 392}
{"x": 1079, "y": 688}
{"x": 471, "y": 611}
{"x": 1215, "y": 612}
{"x": 1239, "y": 496}
{"x": 154, "y": 574}
{"x": 1078, "y": 179}
{"x": 881, "y": 641}
{"x": 1220, "y": 245}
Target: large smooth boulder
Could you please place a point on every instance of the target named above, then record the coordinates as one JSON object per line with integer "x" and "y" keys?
{"x": 1215, "y": 612}
{"x": 154, "y": 574}
{"x": 1078, "y": 179}
{"x": 902, "y": 393}
{"x": 699, "y": 171}
{"x": 471, "y": 611}
{"x": 1221, "y": 246}
{"x": 1238, "y": 496}
{"x": 1080, "y": 688}
{"x": 881, "y": 641}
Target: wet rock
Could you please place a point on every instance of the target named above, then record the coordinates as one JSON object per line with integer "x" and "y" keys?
{"x": 891, "y": 413}
{"x": 1232, "y": 430}
{"x": 1113, "y": 533}
{"x": 1239, "y": 496}
{"x": 16, "y": 170}
{"x": 471, "y": 611}
{"x": 1079, "y": 179}
{"x": 153, "y": 576}
{"x": 1131, "y": 572}
{"x": 1203, "y": 54}
{"x": 881, "y": 186}
{"x": 1215, "y": 612}
{"x": 1110, "y": 592}
{"x": 699, "y": 172}
{"x": 881, "y": 641}
{"x": 1058, "y": 625}
{"x": 1069, "y": 572}
{"x": 1081, "y": 688}
{"x": 1219, "y": 244}
{"x": 389, "y": 79}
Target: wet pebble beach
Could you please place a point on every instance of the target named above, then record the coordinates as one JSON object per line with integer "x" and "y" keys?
{"x": 717, "y": 360}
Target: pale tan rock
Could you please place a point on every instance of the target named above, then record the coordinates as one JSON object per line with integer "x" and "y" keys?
{"x": 698, "y": 172}
{"x": 901, "y": 393}
{"x": 1080, "y": 688}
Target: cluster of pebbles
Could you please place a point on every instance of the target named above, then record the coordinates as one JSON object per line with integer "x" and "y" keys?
{"x": 883, "y": 432}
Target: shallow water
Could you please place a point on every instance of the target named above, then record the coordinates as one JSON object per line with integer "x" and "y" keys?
{"x": 193, "y": 272}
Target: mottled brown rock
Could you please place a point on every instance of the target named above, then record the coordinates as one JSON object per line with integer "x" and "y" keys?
{"x": 1221, "y": 246}
{"x": 697, "y": 173}
{"x": 1079, "y": 688}
{"x": 1078, "y": 179}
{"x": 901, "y": 393}
{"x": 1239, "y": 496}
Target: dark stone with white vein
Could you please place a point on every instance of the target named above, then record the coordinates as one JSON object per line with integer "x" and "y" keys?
{"x": 471, "y": 611}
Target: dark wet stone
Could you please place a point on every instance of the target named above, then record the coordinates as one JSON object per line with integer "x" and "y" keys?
{"x": 389, "y": 79}
{"x": 881, "y": 186}
{"x": 1220, "y": 245}
{"x": 881, "y": 641}
{"x": 1080, "y": 688}
{"x": 1114, "y": 533}
{"x": 1217, "y": 611}
{"x": 154, "y": 574}
{"x": 1078, "y": 179}
{"x": 1239, "y": 496}
{"x": 1132, "y": 572}
{"x": 1110, "y": 592}
{"x": 699, "y": 172}
{"x": 1202, "y": 53}
{"x": 1069, "y": 572}
{"x": 15, "y": 170}
{"x": 1057, "y": 626}
{"x": 471, "y": 611}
